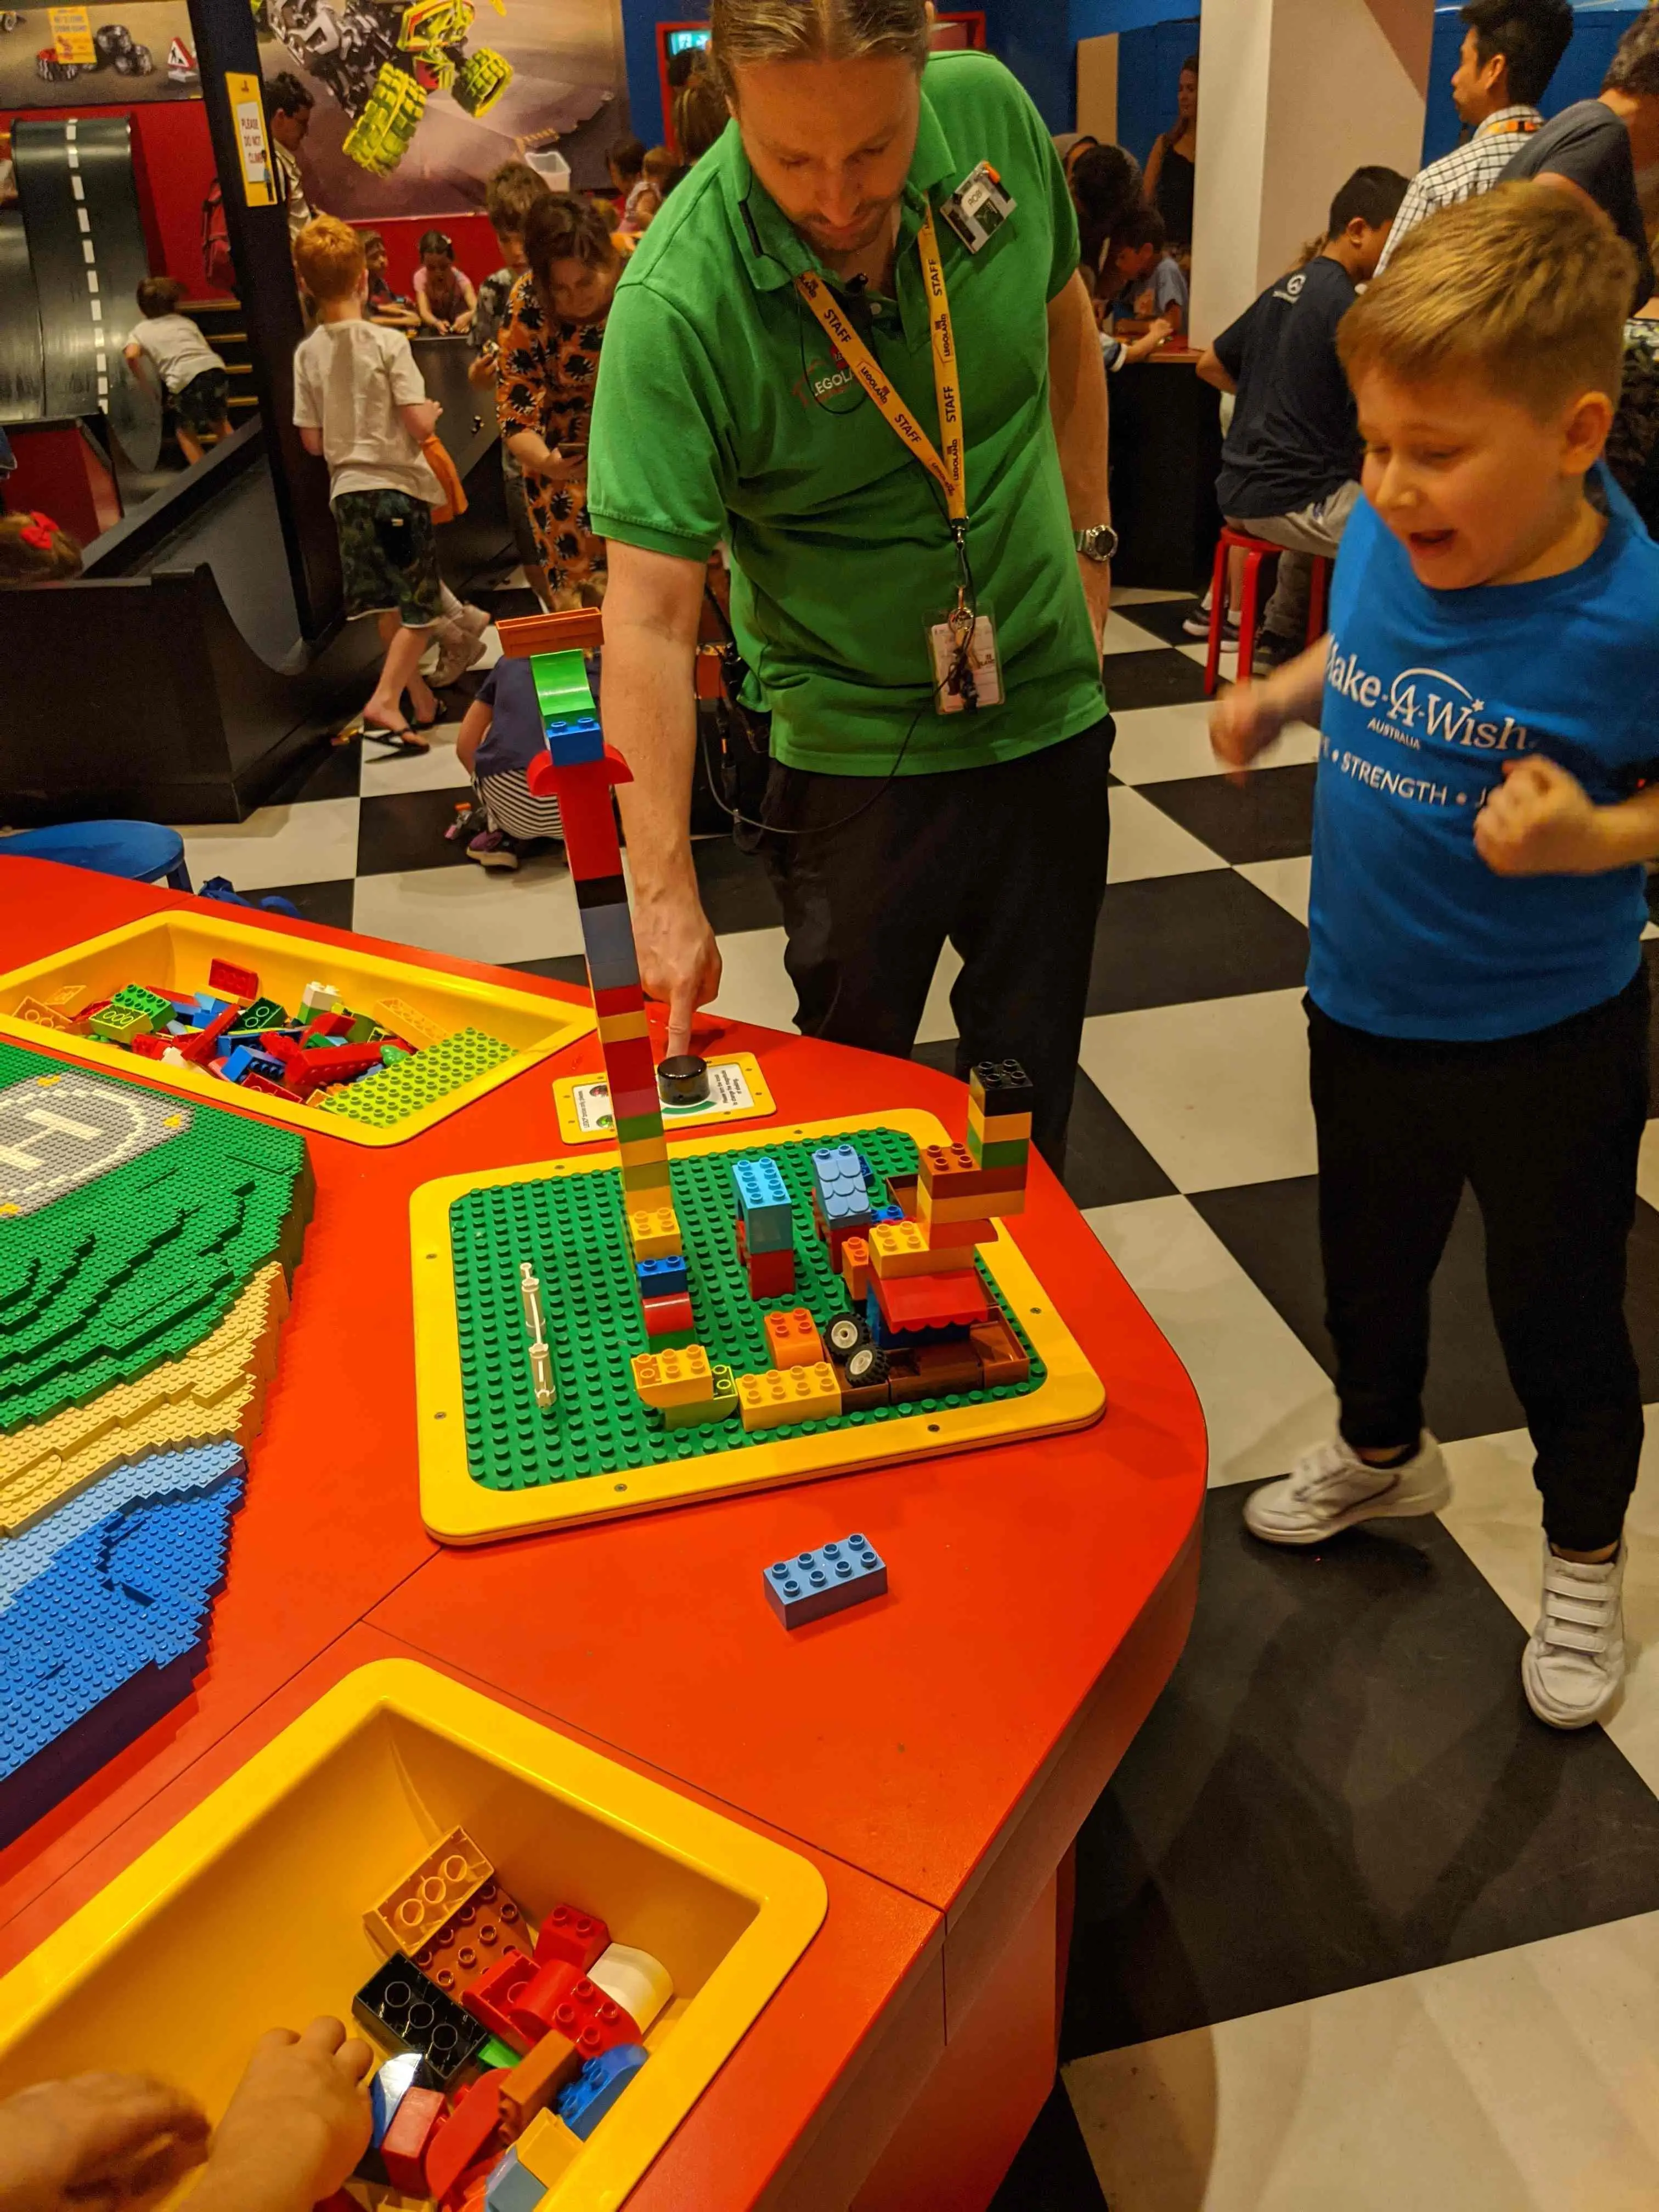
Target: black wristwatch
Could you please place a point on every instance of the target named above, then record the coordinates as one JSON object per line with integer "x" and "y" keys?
{"x": 1099, "y": 544}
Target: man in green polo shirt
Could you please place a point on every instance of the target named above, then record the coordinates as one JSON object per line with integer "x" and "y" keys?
{"x": 723, "y": 412}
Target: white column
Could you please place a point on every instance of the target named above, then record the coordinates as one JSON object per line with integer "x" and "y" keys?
{"x": 1297, "y": 95}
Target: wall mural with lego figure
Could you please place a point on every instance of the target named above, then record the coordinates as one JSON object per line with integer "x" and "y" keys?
{"x": 417, "y": 100}
{"x": 122, "y": 50}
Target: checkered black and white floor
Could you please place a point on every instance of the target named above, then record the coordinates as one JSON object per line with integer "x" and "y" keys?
{"x": 1352, "y": 1931}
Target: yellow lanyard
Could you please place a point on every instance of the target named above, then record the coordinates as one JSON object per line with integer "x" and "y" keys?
{"x": 944, "y": 466}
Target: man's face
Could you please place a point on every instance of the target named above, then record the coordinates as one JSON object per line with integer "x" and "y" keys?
{"x": 832, "y": 141}
{"x": 1472, "y": 483}
{"x": 290, "y": 131}
{"x": 1472, "y": 86}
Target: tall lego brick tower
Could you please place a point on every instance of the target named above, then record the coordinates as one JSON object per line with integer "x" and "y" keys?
{"x": 578, "y": 769}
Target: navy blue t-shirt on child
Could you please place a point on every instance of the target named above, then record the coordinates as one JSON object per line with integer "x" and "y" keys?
{"x": 517, "y": 732}
{"x": 1427, "y": 693}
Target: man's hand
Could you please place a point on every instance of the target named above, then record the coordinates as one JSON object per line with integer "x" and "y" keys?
{"x": 98, "y": 2141}
{"x": 1243, "y": 723}
{"x": 1541, "y": 821}
{"x": 679, "y": 959}
{"x": 295, "y": 2128}
{"x": 1098, "y": 590}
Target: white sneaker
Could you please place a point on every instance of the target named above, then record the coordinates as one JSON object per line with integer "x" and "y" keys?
{"x": 1573, "y": 1666}
{"x": 461, "y": 645}
{"x": 1331, "y": 1487}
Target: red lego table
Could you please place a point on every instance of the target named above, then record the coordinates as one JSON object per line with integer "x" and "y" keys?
{"x": 933, "y": 1755}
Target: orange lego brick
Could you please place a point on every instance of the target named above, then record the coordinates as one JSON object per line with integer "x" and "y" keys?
{"x": 431, "y": 1894}
{"x": 674, "y": 1378}
{"x": 997, "y": 1129}
{"x": 902, "y": 1248}
{"x": 997, "y": 1203}
{"x": 792, "y": 1339}
{"x": 949, "y": 1172}
{"x": 786, "y": 1395}
{"x": 855, "y": 1268}
{"x": 551, "y": 2062}
{"x": 997, "y": 1350}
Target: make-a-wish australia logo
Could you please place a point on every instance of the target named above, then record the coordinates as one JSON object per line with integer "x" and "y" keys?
{"x": 1426, "y": 705}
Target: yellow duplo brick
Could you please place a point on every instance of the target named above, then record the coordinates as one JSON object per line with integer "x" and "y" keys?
{"x": 217, "y": 1390}
{"x": 997, "y": 1129}
{"x": 644, "y": 1151}
{"x": 986, "y": 1205}
{"x": 785, "y": 1395}
{"x": 898, "y": 1249}
{"x": 655, "y": 1233}
{"x": 618, "y": 1028}
{"x": 682, "y": 1377}
{"x": 647, "y": 1190}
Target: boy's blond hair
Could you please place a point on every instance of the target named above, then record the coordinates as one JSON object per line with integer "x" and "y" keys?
{"x": 328, "y": 256}
{"x": 1522, "y": 286}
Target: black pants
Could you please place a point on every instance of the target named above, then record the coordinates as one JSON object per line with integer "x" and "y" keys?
{"x": 1008, "y": 861}
{"x": 1545, "y": 1128}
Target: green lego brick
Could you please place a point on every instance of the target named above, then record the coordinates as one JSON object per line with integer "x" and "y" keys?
{"x": 562, "y": 685}
{"x": 138, "y": 1265}
{"x": 1011, "y": 1152}
{"x": 263, "y": 1014}
{"x": 134, "y": 998}
{"x": 392, "y": 1094}
{"x": 120, "y": 1024}
{"x": 633, "y": 1126}
{"x": 720, "y": 1408}
{"x": 497, "y": 2053}
{"x": 570, "y": 1229}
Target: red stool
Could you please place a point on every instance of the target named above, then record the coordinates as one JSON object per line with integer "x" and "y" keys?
{"x": 1256, "y": 550}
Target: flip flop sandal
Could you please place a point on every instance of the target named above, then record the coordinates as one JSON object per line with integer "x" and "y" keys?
{"x": 399, "y": 743}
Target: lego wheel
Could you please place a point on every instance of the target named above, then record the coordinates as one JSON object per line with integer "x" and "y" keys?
{"x": 382, "y": 134}
{"x": 847, "y": 1333}
{"x": 482, "y": 78}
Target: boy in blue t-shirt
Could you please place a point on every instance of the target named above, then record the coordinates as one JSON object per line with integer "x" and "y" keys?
{"x": 501, "y": 733}
{"x": 1477, "y": 1001}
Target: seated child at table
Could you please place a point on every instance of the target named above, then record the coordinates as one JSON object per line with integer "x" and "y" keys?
{"x": 1151, "y": 284}
{"x": 294, "y": 2131}
{"x": 384, "y": 305}
{"x": 167, "y": 352}
{"x": 501, "y": 734}
{"x": 443, "y": 293}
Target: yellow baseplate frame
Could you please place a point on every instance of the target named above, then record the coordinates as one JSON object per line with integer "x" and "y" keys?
{"x": 459, "y": 1510}
{"x": 173, "y": 948}
{"x": 249, "y": 1912}
{"x": 761, "y": 1102}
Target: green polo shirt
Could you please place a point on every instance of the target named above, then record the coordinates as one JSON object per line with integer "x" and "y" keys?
{"x": 722, "y": 412}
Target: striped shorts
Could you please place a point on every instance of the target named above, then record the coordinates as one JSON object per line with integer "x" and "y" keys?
{"x": 515, "y": 809}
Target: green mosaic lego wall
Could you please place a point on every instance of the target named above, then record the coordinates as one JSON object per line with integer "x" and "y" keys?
{"x": 570, "y": 1229}
{"x": 138, "y": 1266}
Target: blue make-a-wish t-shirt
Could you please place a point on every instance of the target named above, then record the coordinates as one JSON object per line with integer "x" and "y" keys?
{"x": 1427, "y": 693}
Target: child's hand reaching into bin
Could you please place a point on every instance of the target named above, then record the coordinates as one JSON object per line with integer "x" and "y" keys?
{"x": 295, "y": 2128}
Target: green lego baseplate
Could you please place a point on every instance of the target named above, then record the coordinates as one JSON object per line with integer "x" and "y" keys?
{"x": 141, "y": 1263}
{"x": 389, "y": 1094}
{"x": 571, "y": 1231}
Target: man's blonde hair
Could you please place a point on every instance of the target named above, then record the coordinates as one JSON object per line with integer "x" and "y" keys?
{"x": 746, "y": 32}
{"x": 328, "y": 256}
{"x": 1523, "y": 286}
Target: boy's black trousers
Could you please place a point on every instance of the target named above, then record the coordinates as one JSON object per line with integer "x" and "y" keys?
{"x": 1008, "y": 861}
{"x": 1545, "y": 1128}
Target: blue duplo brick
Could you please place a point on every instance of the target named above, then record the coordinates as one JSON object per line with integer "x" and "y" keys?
{"x": 764, "y": 1205}
{"x": 597, "y": 2088}
{"x": 836, "y": 1576}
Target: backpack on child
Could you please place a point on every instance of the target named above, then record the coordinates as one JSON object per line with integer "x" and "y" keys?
{"x": 217, "y": 267}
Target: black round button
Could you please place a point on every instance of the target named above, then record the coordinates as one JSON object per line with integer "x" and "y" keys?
{"x": 683, "y": 1081}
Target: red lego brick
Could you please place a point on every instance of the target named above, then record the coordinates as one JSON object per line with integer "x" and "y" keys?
{"x": 958, "y": 1238}
{"x": 954, "y": 1299}
{"x": 565, "y": 1933}
{"x": 667, "y": 1316}
{"x": 620, "y": 999}
{"x": 771, "y": 1275}
{"x": 232, "y": 982}
{"x": 341, "y": 1063}
{"x": 491, "y": 1997}
{"x": 404, "y": 2144}
{"x": 585, "y": 814}
{"x": 263, "y": 1083}
{"x": 149, "y": 1046}
{"x": 198, "y": 1049}
{"x": 629, "y": 1066}
{"x": 471, "y": 2126}
{"x": 636, "y": 1098}
{"x": 321, "y": 1025}
{"x": 584, "y": 2015}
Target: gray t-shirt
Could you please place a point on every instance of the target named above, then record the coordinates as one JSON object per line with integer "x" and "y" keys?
{"x": 349, "y": 380}
{"x": 176, "y": 346}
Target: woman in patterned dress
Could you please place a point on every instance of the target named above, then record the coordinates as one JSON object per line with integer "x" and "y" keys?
{"x": 546, "y": 368}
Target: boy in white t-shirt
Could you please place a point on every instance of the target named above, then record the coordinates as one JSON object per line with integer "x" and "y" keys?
{"x": 360, "y": 402}
{"x": 167, "y": 347}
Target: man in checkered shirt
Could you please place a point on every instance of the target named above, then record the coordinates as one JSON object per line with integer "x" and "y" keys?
{"x": 1511, "y": 49}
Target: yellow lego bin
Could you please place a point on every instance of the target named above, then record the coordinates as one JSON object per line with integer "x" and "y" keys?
{"x": 249, "y": 1913}
{"x": 173, "y": 951}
